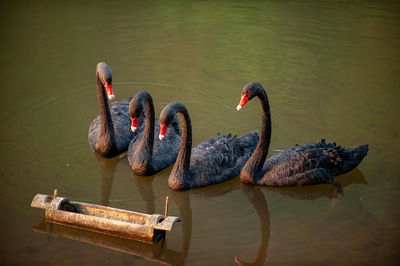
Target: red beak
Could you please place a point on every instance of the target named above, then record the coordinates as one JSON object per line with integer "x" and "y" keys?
{"x": 134, "y": 124}
{"x": 243, "y": 101}
{"x": 109, "y": 91}
{"x": 163, "y": 129}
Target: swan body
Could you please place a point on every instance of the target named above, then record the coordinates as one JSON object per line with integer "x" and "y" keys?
{"x": 213, "y": 161}
{"x": 109, "y": 133}
{"x": 146, "y": 153}
{"x": 313, "y": 163}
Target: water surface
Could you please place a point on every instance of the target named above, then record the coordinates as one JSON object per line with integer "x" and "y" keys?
{"x": 331, "y": 69}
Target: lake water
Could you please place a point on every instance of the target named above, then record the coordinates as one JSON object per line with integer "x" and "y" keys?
{"x": 331, "y": 69}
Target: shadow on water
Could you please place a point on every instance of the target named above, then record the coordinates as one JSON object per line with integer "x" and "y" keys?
{"x": 156, "y": 253}
{"x": 256, "y": 197}
{"x": 107, "y": 171}
{"x": 144, "y": 184}
{"x": 160, "y": 252}
{"x": 258, "y": 201}
{"x": 182, "y": 200}
{"x": 145, "y": 187}
{"x": 324, "y": 190}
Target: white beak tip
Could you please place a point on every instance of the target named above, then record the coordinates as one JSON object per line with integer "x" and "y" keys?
{"x": 111, "y": 97}
{"x": 238, "y": 107}
{"x": 133, "y": 129}
{"x": 161, "y": 137}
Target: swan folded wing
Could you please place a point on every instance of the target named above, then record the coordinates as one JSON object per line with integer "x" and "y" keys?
{"x": 165, "y": 151}
{"x": 120, "y": 109}
{"x": 300, "y": 151}
{"x": 310, "y": 146}
{"x": 174, "y": 124}
{"x": 121, "y": 122}
{"x": 302, "y": 166}
{"x": 122, "y": 104}
{"x": 248, "y": 143}
{"x": 215, "y": 160}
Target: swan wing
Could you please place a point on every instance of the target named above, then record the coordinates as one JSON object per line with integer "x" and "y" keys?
{"x": 122, "y": 124}
{"x": 301, "y": 165}
{"x": 165, "y": 151}
{"x": 215, "y": 160}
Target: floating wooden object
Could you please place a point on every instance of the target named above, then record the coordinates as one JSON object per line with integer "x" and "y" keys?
{"x": 128, "y": 224}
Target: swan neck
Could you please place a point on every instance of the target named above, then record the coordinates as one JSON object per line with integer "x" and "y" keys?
{"x": 255, "y": 164}
{"x": 182, "y": 165}
{"x": 264, "y": 142}
{"x": 148, "y": 137}
{"x": 106, "y": 124}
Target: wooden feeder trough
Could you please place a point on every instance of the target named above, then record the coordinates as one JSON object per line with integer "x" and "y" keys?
{"x": 128, "y": 224}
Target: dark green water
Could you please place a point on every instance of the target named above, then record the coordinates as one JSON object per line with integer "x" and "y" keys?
{"x": 331, "y": 69}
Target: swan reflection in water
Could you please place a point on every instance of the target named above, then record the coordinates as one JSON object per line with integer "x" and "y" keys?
{"x": 107, "y": 170}
{"x": 255, "y": 195}
{"x": 323, "y": 190}
{"x": 182, "y": 200}
{"x": 144, "y": 184}
{"x": 145, "y": 188}
{"x": 257, "y": 199}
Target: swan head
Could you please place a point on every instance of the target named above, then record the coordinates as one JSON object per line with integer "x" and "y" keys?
{"x": 168, "y": 115}
{"x": 249, "y": 91}
{"x": 104, "y": 73}
{"x": 136, "y": 108}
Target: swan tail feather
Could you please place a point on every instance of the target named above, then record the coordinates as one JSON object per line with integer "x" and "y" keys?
{"x": 352, "y": 157}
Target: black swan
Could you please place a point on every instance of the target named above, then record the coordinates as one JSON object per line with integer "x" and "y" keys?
{"x": 212, "y": 161}
{"x": 312, "y": 163}
{"x": 147, "y": 154}
{"x": 109, "y": 133}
